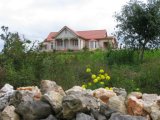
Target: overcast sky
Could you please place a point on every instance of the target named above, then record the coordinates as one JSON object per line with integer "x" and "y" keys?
{"x": 36, "y": 18}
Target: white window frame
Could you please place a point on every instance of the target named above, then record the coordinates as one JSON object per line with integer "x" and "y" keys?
{"x": 52, "y": 45}
{"x": 75, "y": 42}
{"x": 93, "y": 44}
{"x": 59, "y": 43}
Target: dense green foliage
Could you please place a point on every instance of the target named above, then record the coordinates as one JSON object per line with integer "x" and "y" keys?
{"x": 121, "y": 57}
{"x": 139, "y": 25}
{"x": 68, "y": 69}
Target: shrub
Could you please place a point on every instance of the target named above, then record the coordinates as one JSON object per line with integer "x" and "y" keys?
{"x": 120, "y": 57}
{"x": 101, "y": 79}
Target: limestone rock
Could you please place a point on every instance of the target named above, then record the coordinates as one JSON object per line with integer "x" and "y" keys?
{"x": 135, "y": 106}
{"x": 21, "y": 96}
{"x": 117, "y": 116}
{"x": 82, "y": 116}
{"x": 155, "y": 115}
{"x": 149, "y": 98}
{"x": 47, "y": 85}
{"x": 0, "y": 116}
{"x": 158, "y": 101}
{"x": 138, "y": 95}
{"x": 153, "y": 109}
{"x": 5, "y": 94}
{"x": 55, "y": 100}
{"x": 34, "y": 89}
{"x": 6, "y": 88}
{"x": 103, "y": 94}
{"x": 117, "y": 103}
{"x": 120, "y": 92}
{"x": 74, "y": 89}
{"x": 9, "y": 114}
{"x": 97, "y": 115}
{"x": 78, "y": 102}
{"x": 151, "y": 105}
{"x": 50, "y": 117}
{"x": 34, "y": 110}
{"x": 106, "y": 111}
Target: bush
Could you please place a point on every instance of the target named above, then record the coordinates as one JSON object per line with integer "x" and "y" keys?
{"x": 101, "y": 79}
{"x": 120, "y": 57}
{"x": 68, "y": 69}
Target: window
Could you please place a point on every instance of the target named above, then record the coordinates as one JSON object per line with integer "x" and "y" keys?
{"x": 59, "y": 42}
{"x": 75, "y": 42}
{"x": 93, "y": 44}
{"x": 51, "y": 45}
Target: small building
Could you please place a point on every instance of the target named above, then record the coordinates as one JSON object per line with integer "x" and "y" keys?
{"x": 68, "y": 39}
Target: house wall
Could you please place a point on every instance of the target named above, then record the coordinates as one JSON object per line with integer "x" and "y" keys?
{"x": 47, "y": 46}
{"x": 94, "y": 44}
{"x": 66, "y": 34}
{"x": 82, "y": 43}
{"x": 101, "y": 43}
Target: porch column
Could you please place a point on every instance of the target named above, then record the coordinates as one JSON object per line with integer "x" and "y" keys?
{"x": 55, "y": 44}
{"x": 69, "y": 43}
{"x": 78, "y": 43}
{"x": 63, "y": 44}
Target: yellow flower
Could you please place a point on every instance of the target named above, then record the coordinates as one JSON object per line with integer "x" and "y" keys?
{"x": 84, "y": 86}
{"x": 93, "y": 76}
{"x": 99, "y": 75}
{"x": 98, "y": 78}
{"x": 101, "y": 71}
{"x": 102, "y": 83}
{"x": 106, "y": 74}
{"x": 102, "y": 77}
{"x": 95, "y": 80}
{"x": 107, "y": 88}
{"x": 111, "y": 88}
{"x": 90, "y": 84}
{"x": 108, "y": 78}
{"x": 88, "y": 70}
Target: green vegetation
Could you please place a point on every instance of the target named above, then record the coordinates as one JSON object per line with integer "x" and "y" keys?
{"x": 144, "y": 76}
{"x": 69, "y": 69}
{"x": 99, "y": 80}
{"x": 21, "y": 66}
{"x": 138, "y": 25}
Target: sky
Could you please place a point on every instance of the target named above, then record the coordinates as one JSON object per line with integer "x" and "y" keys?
{"x": 35, "y": 19}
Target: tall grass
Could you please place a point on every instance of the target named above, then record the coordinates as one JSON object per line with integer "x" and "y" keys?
{"x": 68, "y": 69}
{"x": 145, "y": 76}
{"x": 121, "y": 57}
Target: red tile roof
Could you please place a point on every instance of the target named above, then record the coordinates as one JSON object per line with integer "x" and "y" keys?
{"x": 51, "y": 36}
{"x": 88, "y": 35}
{"x": 93, "y": 34}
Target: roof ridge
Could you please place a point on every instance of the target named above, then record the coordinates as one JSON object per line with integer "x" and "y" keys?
{"x": 91, "y": 30}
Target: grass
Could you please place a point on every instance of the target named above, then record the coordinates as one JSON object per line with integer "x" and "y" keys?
{"x": 68, "y": 69}
{"x": 145, "y": 76}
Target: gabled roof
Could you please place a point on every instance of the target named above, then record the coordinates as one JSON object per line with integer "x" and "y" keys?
{"x": 93, "y": 34}
{"x": 65, "y": 27}
{"x": 87, "y": 35}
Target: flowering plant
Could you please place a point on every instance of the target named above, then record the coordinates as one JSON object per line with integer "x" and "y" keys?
{"x": 101, "y": 79}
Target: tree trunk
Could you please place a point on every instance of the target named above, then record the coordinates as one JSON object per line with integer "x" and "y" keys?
{"x": 141, "y": 54}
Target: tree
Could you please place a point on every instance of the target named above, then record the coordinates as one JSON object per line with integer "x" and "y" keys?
{"x": 139, "y": 25}
{"x": 14, "y": 47}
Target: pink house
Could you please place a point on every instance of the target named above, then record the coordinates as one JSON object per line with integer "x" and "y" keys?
{"x": 68, "y": 39}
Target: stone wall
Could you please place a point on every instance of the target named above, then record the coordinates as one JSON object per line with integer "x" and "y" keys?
{"x": 51, "y": 102}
